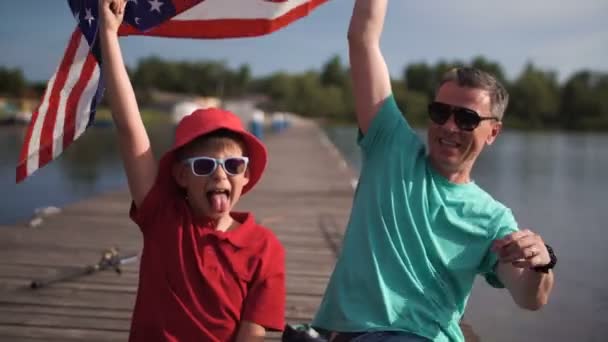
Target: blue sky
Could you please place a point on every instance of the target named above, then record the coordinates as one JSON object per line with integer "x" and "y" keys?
{"x": 564, "y": 36}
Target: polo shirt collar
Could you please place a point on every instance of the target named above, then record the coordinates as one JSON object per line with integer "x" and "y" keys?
{"x": 244, "y": 234}
{"x": 241, "y": 236}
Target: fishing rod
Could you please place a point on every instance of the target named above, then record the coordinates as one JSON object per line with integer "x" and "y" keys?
{"x": 110, "y": 259}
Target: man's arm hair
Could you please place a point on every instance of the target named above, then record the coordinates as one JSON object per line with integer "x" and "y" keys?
{"x": 371, "y": 80}
{"x": 134, "y": 144}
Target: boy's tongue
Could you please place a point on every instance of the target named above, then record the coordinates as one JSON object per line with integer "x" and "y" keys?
{"x": 219, "y": 202}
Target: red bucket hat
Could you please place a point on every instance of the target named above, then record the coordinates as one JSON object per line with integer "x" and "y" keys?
{"x": 204, "y": 121}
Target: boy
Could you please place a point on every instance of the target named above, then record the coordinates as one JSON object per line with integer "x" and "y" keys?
{"x": 207, "y": 274}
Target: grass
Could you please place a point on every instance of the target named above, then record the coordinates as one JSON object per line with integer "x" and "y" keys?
{"x": 149, "y": 116}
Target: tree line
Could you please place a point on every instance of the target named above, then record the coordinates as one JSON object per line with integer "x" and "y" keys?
{"x": 538, "y": 100}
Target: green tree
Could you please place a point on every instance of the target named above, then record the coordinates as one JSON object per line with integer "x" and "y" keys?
{"x": 412, "y": 103}
{"x": 584, "y": 104}
{"x": 420, "y": 77}
{"x": 535, "y": 98}
{"x": 12, "y": 82}
{"x": 493, "y": 68}
{"x": 333, "y": 74}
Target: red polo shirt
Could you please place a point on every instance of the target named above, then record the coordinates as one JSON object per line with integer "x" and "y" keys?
{"x": 196, "y": 283}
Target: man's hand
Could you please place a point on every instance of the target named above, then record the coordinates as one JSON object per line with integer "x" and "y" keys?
{"x": 523, "y": 249}
{"x": 111, "y": 13}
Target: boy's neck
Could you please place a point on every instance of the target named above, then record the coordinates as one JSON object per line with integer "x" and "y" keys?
{"x": 223, "y": 224}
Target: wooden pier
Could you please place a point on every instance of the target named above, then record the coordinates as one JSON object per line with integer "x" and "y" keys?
{"x": 305, "y": 197}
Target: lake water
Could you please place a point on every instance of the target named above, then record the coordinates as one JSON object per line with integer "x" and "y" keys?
{"x": 555, "y": 184}
{"x": 90, "y": 166}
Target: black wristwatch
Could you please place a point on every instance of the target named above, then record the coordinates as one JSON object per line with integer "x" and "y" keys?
{"x": 550, "y": 265}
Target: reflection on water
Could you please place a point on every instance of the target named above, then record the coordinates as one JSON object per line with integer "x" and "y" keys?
{"x": 91, "y": 165}
{"x": 556, "y": 184}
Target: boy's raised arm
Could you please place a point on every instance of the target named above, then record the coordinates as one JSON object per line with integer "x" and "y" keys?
{"x": 134, "y": 144}
{"x": 371, "y": 80}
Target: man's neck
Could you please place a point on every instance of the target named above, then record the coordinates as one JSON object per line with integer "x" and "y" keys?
{"x": 456, "y": 176}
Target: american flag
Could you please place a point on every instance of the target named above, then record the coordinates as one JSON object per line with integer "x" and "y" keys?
{"x": 68, "y": 105}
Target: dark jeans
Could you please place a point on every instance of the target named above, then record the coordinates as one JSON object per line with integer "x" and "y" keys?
{"x": 380, "y": 336}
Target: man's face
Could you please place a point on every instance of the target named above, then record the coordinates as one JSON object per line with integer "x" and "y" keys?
{"x": 213, "y": 196}
{"x": 451, "y": 149}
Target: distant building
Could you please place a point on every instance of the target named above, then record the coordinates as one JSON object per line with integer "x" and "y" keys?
{"x": 185, "y": 107}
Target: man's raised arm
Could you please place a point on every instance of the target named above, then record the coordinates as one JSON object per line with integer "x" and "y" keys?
{"x": 371, "y": 80}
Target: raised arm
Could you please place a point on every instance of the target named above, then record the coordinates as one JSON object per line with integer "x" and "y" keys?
{"x": 134, "y": 144}
{"x": 371, "y": 80}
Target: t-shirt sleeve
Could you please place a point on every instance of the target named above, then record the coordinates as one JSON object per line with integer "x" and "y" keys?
{"x": 146, "y": 214}
{"x": 388, "y": 127}
{"x": 265, "y": 301}
{"x": 506, "y": 225}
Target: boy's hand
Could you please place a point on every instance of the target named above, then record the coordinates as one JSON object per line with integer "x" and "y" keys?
{"x": 523, "y": 249}
{"x": 111, "y": 13}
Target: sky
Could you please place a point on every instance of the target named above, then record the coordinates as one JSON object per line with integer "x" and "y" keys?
{"x": 564, "y": 36}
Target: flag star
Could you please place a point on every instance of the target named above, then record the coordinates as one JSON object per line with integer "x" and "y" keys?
{"x": 89, "y": 17}
{"x": 77, "y": 17}
{"x": 137, "y": 20}
{"x": 155, "y": 5}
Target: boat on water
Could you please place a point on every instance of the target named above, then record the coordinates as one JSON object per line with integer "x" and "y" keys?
{"x": 19, "y": 118}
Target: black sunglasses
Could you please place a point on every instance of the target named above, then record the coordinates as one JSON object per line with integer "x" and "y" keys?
{"x": 465, "y": 119}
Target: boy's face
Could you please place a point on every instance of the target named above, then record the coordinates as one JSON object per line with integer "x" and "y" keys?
{"x": 215, "y": 195}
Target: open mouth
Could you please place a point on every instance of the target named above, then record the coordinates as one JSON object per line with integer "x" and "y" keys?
{"x": 448, "y": 143}
{"x": 219, "y": 199}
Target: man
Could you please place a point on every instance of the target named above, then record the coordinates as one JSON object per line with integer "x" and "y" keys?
{"x": 420, "y": 229}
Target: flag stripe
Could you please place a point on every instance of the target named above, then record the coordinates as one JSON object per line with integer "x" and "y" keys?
{"x": 87, "y": 102}
{"x": 46, "y": 136}
{"x": 22, "y": 167}
{"x": 237, "y": 9}
{"x": 224, "y": 28}
{"x": 72, "y": 105}
{"x": 74, "y": 82}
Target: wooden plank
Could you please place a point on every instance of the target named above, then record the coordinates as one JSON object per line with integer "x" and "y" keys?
{"x": 65, "y": 321}
{"x": 15, "y": 332}
{"x": 37, "y": 309}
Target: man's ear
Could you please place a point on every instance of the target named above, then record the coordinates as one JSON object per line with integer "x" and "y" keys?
{"x": 496, "y": 129}
{"x": 180, "y": 174}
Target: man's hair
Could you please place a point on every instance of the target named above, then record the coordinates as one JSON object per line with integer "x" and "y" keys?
{"x": 478, "y": 79}
{"x": 219, "y": 139}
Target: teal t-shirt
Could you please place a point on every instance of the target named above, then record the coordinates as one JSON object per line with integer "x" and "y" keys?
{"x": 414, "y": 241}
